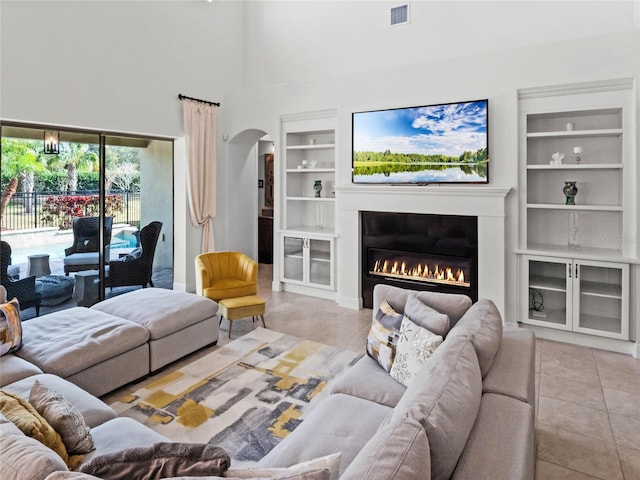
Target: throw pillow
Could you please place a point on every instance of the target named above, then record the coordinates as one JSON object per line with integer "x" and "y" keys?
{"x": 322, "y": 468}
{"x": 30, "y": 422}
{"x": 383, "y": 335}
{"x": 425, "y": 316}
{"x": 415, "y": 346}
{"x": 10, "y": 327}
{"x": 160, "y": 460}
{"x": 63, "y": 417}
{"x": 87, "y": 244}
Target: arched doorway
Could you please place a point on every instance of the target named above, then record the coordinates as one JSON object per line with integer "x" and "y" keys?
{"x": 248, "y": 172}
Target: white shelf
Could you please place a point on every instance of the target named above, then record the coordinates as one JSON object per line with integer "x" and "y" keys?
{"x": 554, "y": 318}
{"x": 313, "y": 199}
{"x": 604, "y": 132}
{"x": 554, "y": 284}
{"x": 581, "y": 166}
{"x": 320, "y": 256}
{"x": 306, "y": 231}
{"x": 559, "y": 206}
{"x": 600, "y": 324}
{"x": 311, "y": 170}
{"x": 603, "y": 290}
{"x": 584, "y": 253}
{"x": 319, "y": 146}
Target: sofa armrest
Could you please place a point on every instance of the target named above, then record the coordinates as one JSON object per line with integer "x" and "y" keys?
{"x": 512, "y": 372}
{"x": 501, "y": 445}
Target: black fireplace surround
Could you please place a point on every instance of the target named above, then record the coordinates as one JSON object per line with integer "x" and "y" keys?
{"x": 412, "y": 240}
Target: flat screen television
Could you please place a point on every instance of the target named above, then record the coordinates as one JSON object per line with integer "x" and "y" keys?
{"x": 446, "y": 143}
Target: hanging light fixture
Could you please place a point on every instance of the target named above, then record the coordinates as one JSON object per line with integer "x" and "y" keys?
{"x": 51, "y": 142}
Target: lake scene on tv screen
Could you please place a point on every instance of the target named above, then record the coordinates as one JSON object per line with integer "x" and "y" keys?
{"x": 431, "y": 144}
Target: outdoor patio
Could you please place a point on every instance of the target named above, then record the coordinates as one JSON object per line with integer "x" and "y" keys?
{"x": 52, "y": 242}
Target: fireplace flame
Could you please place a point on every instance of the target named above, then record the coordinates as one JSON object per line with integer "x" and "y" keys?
{"x": 420, "y": 272}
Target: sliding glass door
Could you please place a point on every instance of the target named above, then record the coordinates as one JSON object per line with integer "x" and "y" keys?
{"x": 92, "y": 220}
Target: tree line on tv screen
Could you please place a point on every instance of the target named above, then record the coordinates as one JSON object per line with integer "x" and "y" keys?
{"x": 369, "y": 163}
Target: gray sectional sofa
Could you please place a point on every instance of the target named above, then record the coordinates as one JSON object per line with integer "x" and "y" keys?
{"x": 468, "y": 414}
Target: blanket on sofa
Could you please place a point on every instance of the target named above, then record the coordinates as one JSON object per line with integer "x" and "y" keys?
{"x": 244, "y": 397}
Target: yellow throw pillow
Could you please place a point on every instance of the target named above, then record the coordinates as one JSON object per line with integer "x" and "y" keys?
{"x": 22, "y": 414}
{"x": 10, "y": 327}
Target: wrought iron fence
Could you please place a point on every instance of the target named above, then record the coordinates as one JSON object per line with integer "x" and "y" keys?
{"x": 26, "y": 211}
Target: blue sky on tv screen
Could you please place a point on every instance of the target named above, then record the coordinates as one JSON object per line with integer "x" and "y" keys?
{"x": 448, "y": 129}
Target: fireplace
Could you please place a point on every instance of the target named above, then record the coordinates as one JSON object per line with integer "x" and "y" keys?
{"x": 419, "y": 251}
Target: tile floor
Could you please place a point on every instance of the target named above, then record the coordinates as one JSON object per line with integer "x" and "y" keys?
{"x": 588, "y": 410}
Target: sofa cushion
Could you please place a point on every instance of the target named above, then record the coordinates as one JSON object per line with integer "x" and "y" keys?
{"x": 483, "y": 325}
{"x": 24, "y": 457}
{"x": 159, "y": 310}
{"x": 340, "y": 423}
{"x": 383, "y": 335}
{"x": 513, "y": 369}
{"x": 399, "y": 451}
{"x": 444, "y": 397}
{"x": 452, "y": 305}
{"x": 425, "y": 316}
{"x": 501, "y": 449}
{"x": 92, "y": 409}
{"x": 120, "y": 434}
{"x": 366, "y": 379}
{"x": 415, "y": 347}
{"x": 10, "y": 327}
{"x": 165, "y": 459}
{"x": 64, "y": 417}
{"x": 32, "y": 424}
{"x": 14, "y": 368}
{"x": 72, "y": 340}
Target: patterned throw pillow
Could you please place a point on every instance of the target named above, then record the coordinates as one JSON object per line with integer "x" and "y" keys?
{"x": 22, "y": 414}
{"x": 415, "y": 346}
{"x": 63, "y": 416}
{"x": 10, "y": 327}
{"x": 383, "y": 335}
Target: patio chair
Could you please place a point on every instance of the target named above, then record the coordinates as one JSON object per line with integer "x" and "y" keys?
{"x": 84, "y": 253}
{"x": 24, "y": 289}
{"x": 136, "y": 267}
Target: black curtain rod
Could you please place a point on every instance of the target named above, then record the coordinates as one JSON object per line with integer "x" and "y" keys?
{"x": 182, "y": 97}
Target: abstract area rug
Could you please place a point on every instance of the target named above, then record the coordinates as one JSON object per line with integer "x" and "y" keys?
{"x": 244, "y": 397}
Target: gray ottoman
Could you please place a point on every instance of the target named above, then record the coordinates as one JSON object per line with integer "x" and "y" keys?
{"x": 56, "y": 289}
{"x": 96, "y": 351}
{"x": 179, "y": 323}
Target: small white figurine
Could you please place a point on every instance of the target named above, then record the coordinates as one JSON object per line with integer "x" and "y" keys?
{"x": 556, "y": 158}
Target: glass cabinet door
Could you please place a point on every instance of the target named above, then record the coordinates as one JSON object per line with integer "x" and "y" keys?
{"x": 548, "y": 289}
{"x": 293, "y": 264}
{"x": 320, "y": 253}
{"x": 600, "y": 299}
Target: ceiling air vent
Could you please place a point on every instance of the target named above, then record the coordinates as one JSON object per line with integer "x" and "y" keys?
{"x": 400, "y": 15}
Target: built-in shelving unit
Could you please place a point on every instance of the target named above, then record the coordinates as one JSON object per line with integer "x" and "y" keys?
{"x": 308, "y": 220}
{"x": 576, "y": 259}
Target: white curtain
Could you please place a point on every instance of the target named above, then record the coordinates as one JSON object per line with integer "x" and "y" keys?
{"x": 200, "y": 136}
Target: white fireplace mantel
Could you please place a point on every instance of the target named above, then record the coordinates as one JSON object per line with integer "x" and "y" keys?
{"x": 487, "y": 202}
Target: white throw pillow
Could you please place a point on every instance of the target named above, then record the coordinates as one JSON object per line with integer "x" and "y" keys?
{"x": 415, "y": 345}
{"x": 329, "y": 463}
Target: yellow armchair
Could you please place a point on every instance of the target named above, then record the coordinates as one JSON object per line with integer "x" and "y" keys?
{"x": 221, "y": 275}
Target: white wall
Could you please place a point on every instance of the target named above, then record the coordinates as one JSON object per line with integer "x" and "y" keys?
{"x": 293, "y": 41}
{"x": 116, "y": 65}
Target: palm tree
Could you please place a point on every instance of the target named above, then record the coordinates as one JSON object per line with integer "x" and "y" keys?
{"x": 77, "y": 155}
{"x": 20, "y": 159}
